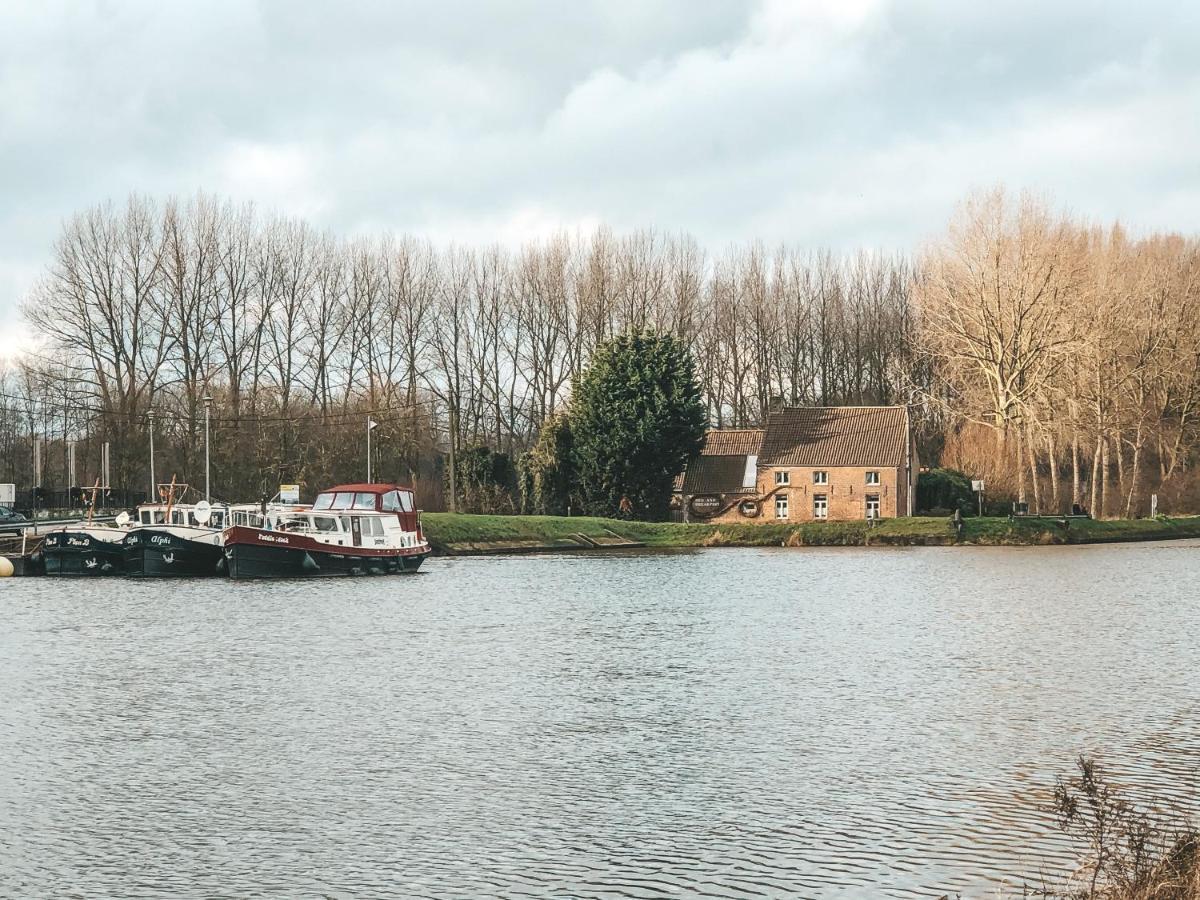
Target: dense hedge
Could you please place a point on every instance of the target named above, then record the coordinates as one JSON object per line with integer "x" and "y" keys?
{"x": 945, "y": 490}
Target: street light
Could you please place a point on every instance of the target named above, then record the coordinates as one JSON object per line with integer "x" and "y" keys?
{"x": 207, "y": 471}
{"x": 370, "y": 426}
{"x": 153, "y": 480}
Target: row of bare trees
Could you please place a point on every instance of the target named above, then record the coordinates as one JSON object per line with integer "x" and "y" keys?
{"x": 1057, "y": 360}
{"x": 1067, "y": 355}
{"x": 297, "y": 335}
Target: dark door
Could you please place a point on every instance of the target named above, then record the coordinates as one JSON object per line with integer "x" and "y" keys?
{"x": 356, "y": 530}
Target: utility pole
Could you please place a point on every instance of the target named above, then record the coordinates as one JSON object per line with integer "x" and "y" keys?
{"x": 208, "y": 400}
{"x": 453, "y": 456}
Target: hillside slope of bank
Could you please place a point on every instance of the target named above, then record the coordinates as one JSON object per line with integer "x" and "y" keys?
{"x": 455, "y": 533}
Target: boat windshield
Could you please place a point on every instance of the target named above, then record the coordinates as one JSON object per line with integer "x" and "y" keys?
{"x": 345, "y": 500}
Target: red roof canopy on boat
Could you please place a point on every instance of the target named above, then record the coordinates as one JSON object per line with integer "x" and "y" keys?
{"x": 367, "y": 488}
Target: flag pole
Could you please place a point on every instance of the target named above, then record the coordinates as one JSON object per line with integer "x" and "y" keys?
{"x": 369, "y": 424}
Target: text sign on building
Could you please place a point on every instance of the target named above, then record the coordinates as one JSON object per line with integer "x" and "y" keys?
{"x": 705, "y": 505}
{"x": 289, "y": 493}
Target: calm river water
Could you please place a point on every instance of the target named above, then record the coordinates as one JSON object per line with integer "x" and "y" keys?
{"x": 722, "y": 723}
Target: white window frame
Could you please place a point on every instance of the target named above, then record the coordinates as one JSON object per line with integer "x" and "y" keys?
{"x": 873, "y": 478}
{"x": 820, "y": 506}
{"x": 782, "y": 477}
{"x": 820, "y": 476}
{"x": 873, "y": 499}
{"x": 781, "y": 506}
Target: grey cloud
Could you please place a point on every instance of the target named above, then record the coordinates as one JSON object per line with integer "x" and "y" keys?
{"x": 830, "y": 122}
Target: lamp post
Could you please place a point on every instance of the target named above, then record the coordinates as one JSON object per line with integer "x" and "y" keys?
{"x": 207, "y": 470}
{"x": 370, "y": 427}
{"x": 153, "y": 479}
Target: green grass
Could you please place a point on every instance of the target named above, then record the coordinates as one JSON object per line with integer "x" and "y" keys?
{"x": 444, "y": 529}
{"x": 1051, "y": 530}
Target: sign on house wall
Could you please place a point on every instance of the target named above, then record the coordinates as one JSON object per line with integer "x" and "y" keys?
{"x": 705, "y": 505}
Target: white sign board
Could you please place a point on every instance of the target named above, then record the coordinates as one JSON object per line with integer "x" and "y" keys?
{"x": 8, "y": 494}
{"x": 977, "y": 487}
{"x": 289, "y": 493}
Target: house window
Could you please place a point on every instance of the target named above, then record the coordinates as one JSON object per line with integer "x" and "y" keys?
{"x": 781, "y": 506}
{"x": 820, "y": 478}
{"x": 872, "y": 506}
{"x": 783, "y": 477}
{"x": 872, "y": 478}
{"x": 820, "y": 506}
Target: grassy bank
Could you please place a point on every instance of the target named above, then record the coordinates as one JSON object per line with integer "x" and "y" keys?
{"x": 452, "y": 532}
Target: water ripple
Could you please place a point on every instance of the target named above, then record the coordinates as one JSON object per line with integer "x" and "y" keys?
{"x": 747, "y": 724}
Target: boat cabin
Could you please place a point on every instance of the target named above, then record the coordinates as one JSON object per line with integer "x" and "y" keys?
{"x": 157, "y": 514}
{"x": 344, "y": 529}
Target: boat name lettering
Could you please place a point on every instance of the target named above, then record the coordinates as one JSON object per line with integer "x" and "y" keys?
{"x": 160, "y": 539}
{"x": 78, "y": 542}
{"x": 273, "y": 538}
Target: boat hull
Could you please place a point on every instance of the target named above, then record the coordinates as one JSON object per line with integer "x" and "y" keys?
{"x": 250, "y": 553}
{"x": 82, "y": 554}
{"x": 150, "y": 553}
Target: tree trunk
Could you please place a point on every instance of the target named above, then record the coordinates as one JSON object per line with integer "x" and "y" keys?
{"x": 1096, "y": 460}
{"x": 1131, "y": 501}
{"x": 1020, "y": 466}
{"x": 1033, "y": 475}
{"x": 1104, "y": 490}
{"x": 1054, "y": 499}
{"x": 453, "y": 457}
{"x": 1076, "y": 495}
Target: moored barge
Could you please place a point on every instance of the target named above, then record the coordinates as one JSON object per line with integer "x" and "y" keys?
{"x": 176, "y": 541}
{"x": 84, "y": 549}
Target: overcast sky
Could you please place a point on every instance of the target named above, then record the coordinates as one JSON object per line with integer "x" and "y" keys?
{"x": 837, "y": 123}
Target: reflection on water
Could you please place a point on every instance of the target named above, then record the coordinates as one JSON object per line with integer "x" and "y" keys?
{"x": 836, "y": 722}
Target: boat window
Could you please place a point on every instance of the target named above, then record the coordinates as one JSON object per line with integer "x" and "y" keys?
{"x": 177, "y": 517}
{"x": 391, "y": 501}
{"x": 323, "y": 501}
{"x": 376, "y": 527}
{"x": 406, "y": 501}
{"x": 325, "y": 523}
{"x": 145, "y": 517}
{"x": 364, "y": 501}
{"x": 159, "y": 517}
{"x": 344, "y": 500}
{"x": 217, "y": 520}
{"x": 346, "y": 524}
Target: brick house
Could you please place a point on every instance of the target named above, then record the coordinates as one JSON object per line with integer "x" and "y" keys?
{"x": 808, "y": 464}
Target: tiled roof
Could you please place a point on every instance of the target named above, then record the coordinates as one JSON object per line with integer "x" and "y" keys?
{"x": 732, "y": 442}
{"x": 836, "y": 436}
{"x": 715, "y": 475}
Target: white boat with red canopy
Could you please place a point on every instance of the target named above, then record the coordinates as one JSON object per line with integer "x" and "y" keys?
{"x": 351, "y": 529}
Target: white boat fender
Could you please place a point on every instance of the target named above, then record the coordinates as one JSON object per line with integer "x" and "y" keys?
{"x": 310, "y": 564}
{"x": 6, "y": 567}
